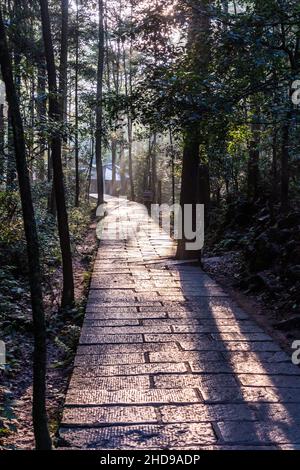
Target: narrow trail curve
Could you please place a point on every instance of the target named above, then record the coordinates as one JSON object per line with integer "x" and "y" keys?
{"x": 167, "y": 361}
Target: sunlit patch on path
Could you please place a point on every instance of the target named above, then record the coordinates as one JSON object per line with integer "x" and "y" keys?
{"x": 167, "y": 361}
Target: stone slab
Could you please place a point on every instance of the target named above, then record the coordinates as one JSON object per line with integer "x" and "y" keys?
{"x": 145, "y": 437}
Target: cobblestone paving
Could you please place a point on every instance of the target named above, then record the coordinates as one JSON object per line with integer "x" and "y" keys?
{"x": 167, "y": 361}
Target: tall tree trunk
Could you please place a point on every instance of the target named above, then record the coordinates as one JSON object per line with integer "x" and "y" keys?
{"x": 274, "y": 172}
{"x": 274, "y": 168}
{"x": 11, "y": 182}
{"x": 113, "y": 164}
{"x": 41, "y": 115}
{"x": 130, "y": 162}
{"x": 92, "y": 156}
{"x": 199, "y": 56}
{"x": 204, "y": 190}
{"x": 172, "y": 167}
{"x": 89, "y": 177}
{"x": 99, "y": 111}
{"x": 128, "y": 90}
{"x": 63, "y": 75}
{"x": 2, "y": 142}
{"x": 253, "y": 173}
{"x": 32, "y": 126}
{"x": 77, "y": 181}
{"x": 285, "y": 176}
{"x": 42, "y": 437}
{"x": 154, "y": 169}
{"x": 51, "y": 203}
{"x": 10, "y": 160}
{"x": 55, "y": 116}
{"x": 63, "y": 66}
{"x": 122, "y": 168}
{"x": 189, "y": 185}
{"x": 253, "y": 162}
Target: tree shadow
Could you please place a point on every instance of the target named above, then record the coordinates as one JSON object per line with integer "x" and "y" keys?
{"x": 266, "y": 387}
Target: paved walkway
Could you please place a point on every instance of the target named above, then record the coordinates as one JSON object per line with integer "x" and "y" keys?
{"x": 167, "y": 361}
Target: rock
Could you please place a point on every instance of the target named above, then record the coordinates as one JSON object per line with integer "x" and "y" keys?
{"x": 262, "y": 281}
{"x": 269, "y": 281}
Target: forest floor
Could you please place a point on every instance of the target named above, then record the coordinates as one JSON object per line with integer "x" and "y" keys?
{"x": 63, "y": 334}
{"x": 256, "y": 254}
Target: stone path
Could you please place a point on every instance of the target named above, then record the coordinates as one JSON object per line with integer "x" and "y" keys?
{"x": 167, "y": 361}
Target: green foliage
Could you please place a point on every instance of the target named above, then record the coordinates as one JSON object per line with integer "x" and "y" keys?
{"x": 11, "y": 225}
{"x": 7, "y": 424}
{"x": 67, "y": 343}
{"x": 238, "y": 139}
{"x": 79, "y": 219}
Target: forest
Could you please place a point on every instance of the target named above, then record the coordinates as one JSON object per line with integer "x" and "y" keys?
{"x": 163, "y": 102}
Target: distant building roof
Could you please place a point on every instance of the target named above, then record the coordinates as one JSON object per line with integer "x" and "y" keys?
{"x": 107, "y": 172}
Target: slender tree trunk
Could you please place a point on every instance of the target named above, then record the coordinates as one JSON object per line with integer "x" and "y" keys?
{"x": 159, "y": 192}
{"x": 122, "y": 168}
{"x": 199, "y": 53}
{"x": 11, "y": 161}
{"x": 130, "y": 162}
{"x": 92, "y": 156}
{"x": 128, "y": 89}
{"x": 113, "y": 164}
{"x": 114, "y": 152}
{"x": 253, "y": 162}
{"x": 172, "y": 168}
{"x": 11, "y": 181}
{"x": 77, "y": 180}
{"x": 42, "y": 437}
{"x": 41, "y": 116}
{"x": 285, "y": 176}
{"x": 89, "y": 176}
{"x": 51, "y": 195}
{"x": 274, "y": 168}
{"x": 63, "y": 66}
{"x": 107, "y": 44}
{"x": 2, "y": 142}
{"x": 274, "y": 185}
{"x": 99, "y": 111}
{"x": 253, "y": 173}
{"x": 154, "y": 169}
{"x": 204, "y": 190}
{"x": 63, "y": 75}
{"x": 55, "y": 116}
{"x": 32, "y": 126}
{"x": 147, "y": 176}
